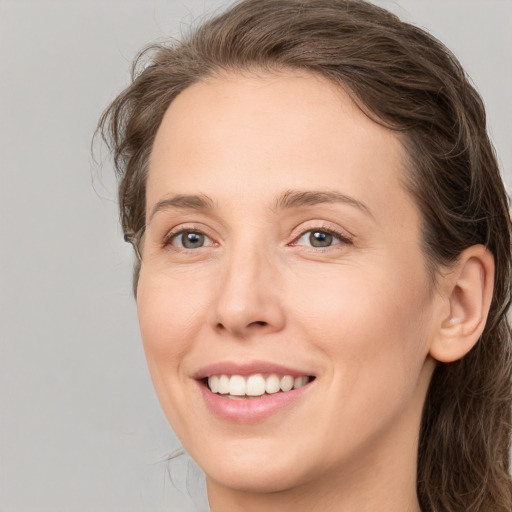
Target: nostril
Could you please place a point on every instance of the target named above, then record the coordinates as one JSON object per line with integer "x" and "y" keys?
{"x": 238, "y": 328}
{"x": 258, "y": 323}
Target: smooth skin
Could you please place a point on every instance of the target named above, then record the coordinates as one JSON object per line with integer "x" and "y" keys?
{"x": 361, "y": 313}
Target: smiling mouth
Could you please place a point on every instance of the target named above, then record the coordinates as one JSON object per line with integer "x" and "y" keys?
{"x": 238, "y": 387}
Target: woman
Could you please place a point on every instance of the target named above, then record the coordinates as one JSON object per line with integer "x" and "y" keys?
{"x": 323, "y": 247}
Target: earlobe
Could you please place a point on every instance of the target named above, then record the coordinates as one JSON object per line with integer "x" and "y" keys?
{"x": 467, "y": 291}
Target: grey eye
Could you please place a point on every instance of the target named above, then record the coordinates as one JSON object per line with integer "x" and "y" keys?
{"x": 190, "y": 240}
{"x": 319, "y": 238}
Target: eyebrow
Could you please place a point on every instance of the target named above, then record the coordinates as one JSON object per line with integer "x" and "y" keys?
{"x": 185, "y": 202}
{"x": 297, "y": 198}
{"x": 287, "y": 200}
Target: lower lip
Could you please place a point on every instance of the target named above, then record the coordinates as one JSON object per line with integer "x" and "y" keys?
{"x": 251, "y": 410}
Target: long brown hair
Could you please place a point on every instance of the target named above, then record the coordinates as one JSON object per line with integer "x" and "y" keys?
{"x": 407, "y": 80}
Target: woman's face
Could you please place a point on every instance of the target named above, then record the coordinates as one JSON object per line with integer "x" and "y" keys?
{"x": 282, "y": 250}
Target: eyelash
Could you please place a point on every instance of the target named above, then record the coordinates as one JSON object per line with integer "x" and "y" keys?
{"x": 342, "y": 237}
{"x": 168, "y": 240}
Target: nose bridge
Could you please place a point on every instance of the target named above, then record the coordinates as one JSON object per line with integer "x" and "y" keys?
{"x": 247, "y": 298}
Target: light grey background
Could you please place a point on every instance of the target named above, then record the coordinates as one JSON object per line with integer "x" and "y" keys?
{"x": 80, "y": 427}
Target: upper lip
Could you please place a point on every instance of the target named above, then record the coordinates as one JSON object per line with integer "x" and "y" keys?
{"x": 244, "y": 369}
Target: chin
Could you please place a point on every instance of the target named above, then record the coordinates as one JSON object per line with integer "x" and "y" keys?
{"x": 244, "y": 477}
{"x": 250, "y": 465}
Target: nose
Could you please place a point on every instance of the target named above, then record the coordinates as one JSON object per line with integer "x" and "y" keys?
{"x": 248, "y": 300}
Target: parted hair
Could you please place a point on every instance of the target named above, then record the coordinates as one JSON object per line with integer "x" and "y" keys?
{"x": 406, "y": 80}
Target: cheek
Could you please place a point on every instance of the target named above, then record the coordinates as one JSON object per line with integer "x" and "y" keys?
{"x": 372, "y": 331}
{"x": 373, "y": 322}
{"x": 169, "y": 318}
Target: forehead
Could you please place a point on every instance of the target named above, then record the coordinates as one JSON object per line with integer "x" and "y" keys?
{"x": 246, "y": 135}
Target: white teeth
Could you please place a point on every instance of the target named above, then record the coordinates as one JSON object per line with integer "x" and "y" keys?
{"x": 213, "y": 383}
{"x": 254, "y": 385}
{"x": 287, "y": 383}
{"x": 299, "y": 382}
{"x": 223, "y": 385}
{"x": 237, "y": 385}
{"x": 272, "y": 384}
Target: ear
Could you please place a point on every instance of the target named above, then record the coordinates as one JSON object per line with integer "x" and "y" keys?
{"x": 466, "y": 292}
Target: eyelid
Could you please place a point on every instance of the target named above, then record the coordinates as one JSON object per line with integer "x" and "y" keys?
{"x": 343, "y": 235}
{"x": 173, "y": 233}
{"x": 344, "y": 238}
